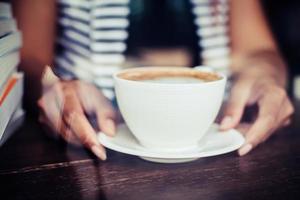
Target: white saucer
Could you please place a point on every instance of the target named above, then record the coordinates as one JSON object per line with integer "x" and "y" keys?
{"x": 214, "y": 143}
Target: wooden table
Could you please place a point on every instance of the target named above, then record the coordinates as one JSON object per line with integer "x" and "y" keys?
{"x": 32, "y": 166}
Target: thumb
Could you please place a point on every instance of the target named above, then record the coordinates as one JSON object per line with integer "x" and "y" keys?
{"x": 236, "y": 104}
{"x": 49, "y": 78}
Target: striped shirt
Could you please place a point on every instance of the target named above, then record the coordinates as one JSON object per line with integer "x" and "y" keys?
{"x": 93, "y": 33}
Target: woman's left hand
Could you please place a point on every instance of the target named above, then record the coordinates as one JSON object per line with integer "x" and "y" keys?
{"x": 274, "y": 107}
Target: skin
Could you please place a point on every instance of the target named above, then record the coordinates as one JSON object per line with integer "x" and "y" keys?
{"x": 65, "y": 109}
{"x": 260, "y": 76}
{"x": 38, "y": 30}
{"x": 260, "y": 79}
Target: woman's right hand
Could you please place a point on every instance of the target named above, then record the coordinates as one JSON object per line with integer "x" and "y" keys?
{"x": 65, "y": 106}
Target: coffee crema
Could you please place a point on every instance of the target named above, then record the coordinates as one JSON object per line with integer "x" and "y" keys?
{"x": 174, "y": 80}
{"x": 169, "y": 75}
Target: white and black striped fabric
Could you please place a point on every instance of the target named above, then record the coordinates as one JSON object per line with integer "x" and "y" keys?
{"x": 211, "y": 18}
{"x": 93, "y": 33}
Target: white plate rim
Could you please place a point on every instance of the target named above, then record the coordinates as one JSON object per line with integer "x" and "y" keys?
{"x": 239, "y": 141}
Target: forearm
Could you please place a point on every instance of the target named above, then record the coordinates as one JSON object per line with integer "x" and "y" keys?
{"x": 36, "y": 20}
{"x": 254, "y": 50}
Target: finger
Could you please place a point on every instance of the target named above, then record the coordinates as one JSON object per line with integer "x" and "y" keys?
{"x": 286, "y": 111}
{"x": 68, "y": 135}
{"x": 106, "y": 119}
{"x": 75, "y": 118}
{"x": 86, "y": 134}
{"x": 51, "y": 112}
{"x": 236, "y": 104}
{"x": 83, "y": 91}
{"x": 101, "y": 106}
{"x": 256, "y": 134}
{"x": 51, "y": 116}
{"x": 265, "y": 124}
{"x": 243, "y": 128}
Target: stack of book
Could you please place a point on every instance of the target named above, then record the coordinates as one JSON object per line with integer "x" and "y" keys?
{"x": 11, "y": 81}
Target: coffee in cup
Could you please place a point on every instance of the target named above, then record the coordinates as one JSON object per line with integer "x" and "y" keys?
{"x": 165, "y": 75}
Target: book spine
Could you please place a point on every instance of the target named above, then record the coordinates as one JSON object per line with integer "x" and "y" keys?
{"x": 11, "y": 101}
{"x": 10, "y": 43}
{"x": 7, "y": 26}
{"x": 5, "y": 10}
{"x": 8, "y": 65}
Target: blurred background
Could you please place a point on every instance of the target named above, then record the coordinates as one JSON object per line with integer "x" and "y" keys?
{"x": 176, "y": 30}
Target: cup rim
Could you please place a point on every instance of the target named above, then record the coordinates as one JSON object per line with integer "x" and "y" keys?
{"x": 115, "y": 76}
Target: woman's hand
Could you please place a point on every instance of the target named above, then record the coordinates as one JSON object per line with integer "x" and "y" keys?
{"x": 261, "y": 74}
{"x": 274, "y": 107}
{"x": 65, "y": 106}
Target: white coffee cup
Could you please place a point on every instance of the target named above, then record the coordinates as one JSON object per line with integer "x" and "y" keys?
{"x": 168, "y": 116}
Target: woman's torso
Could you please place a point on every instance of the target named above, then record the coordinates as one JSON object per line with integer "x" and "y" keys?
{"x": 93, "y": 33}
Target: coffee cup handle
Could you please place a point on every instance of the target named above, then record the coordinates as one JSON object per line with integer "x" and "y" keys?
{"x": 204, "y": 68}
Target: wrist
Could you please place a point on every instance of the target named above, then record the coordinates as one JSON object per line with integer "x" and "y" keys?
{"x": 264, "y": 65}
{"x": 259, "y": 74}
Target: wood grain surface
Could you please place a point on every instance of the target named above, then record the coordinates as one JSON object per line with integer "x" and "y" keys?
{"x": 33, "y": 166}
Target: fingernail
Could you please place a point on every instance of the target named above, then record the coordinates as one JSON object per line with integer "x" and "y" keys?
{"x": 110, "y": 127}
{"x": 226, "y": 122}
{"x": 245, "y": 149}
{"x": 98, "y": 152}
